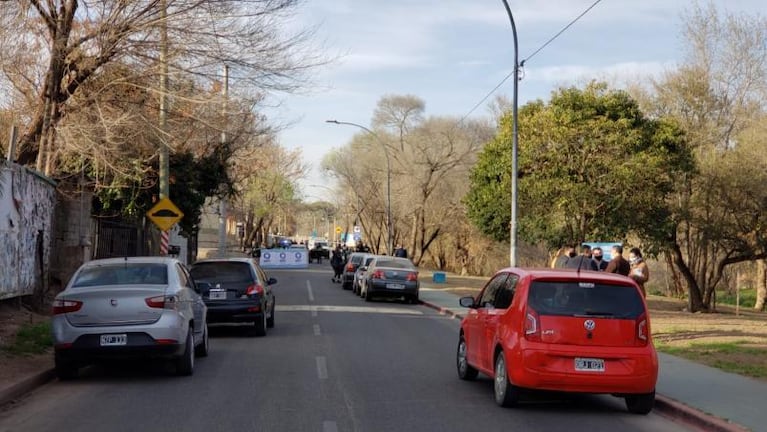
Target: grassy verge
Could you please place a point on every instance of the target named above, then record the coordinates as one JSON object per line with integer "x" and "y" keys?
{"x": 31, "y": 339}
{"x": 747, "y": 298}
{"x": 740, "y": 357}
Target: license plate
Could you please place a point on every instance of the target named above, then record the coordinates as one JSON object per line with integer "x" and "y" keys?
{"x": 217, "y": 294}
{"x": 589, "y": 364}
{"x": 395, "y": 286}
{"x": 114, "y": 339}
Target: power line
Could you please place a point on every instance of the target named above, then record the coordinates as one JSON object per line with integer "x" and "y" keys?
{"x": 522, "y": 63}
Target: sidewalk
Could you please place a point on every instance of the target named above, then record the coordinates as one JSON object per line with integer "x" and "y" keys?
{"x": 705, "y": 397}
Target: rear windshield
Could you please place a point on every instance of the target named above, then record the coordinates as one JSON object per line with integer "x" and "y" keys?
{"x": 122, "y": 274}
{"x": 585, "y": 299}
{"x": 221, "y": 272}
{"x": 356, "y": 259}
{"x": 394, "y": 264}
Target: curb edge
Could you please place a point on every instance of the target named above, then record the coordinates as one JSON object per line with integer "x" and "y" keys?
{"x": 15, "y": 391}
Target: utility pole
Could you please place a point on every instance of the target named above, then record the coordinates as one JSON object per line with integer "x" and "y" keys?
{"x": 514, "y": 146}
{"x": 222, "y": 200}
{"x": 164, "y": 141}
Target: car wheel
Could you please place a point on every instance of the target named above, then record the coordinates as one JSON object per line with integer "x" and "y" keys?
{"x": 185, "y": 363}
{"x": 201, "y": 350}
{"x": 506, "y": 394}
{"x": 65, "y": 369}
{"x": 414, "y": 299}
{"x": 367, "y": 296}
{"x": 259, "y": 327}
{"x": 641, "y": 403}
{"x": 270, "y": 320}
{"x": 465, "y": 370}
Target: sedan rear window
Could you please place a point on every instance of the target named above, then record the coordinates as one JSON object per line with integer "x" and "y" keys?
{"x": 221, "y": 272}
{"x": 585, "y": 299}
{"x": 122, "y": 274}
{"x": 395, "y": 264}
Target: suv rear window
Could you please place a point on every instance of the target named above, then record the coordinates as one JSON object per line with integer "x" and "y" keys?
{"x": 585, "y": 299}
{"x": 221, "y": 272}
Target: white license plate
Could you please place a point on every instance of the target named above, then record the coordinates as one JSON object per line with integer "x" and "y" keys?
{"x": 589, "y": 364}
{"x": 395, "y": 286}
{"x": 217, "y": 294}
{"x": 114, "y": 339}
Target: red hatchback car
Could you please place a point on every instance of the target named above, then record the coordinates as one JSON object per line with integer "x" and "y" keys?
{"x": 560, "y": 330}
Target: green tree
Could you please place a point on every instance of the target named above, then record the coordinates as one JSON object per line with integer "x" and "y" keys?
{"x": 592, "y": 166}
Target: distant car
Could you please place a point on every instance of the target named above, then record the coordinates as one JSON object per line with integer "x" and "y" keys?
{"x": 236, "y": 290}
{"x": 559, "y": 330}
{"x": 388, "y": 276}
{"x": 359, "y": 275}
{"x": 129, "y": 307}
{"x": 352, "y": 263}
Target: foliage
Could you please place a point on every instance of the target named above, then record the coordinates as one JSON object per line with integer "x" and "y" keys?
{"x": 591, "y": 167}
{"x": 31, "y": 339}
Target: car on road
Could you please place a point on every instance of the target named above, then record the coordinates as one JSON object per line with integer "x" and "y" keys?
{"x": 136, "y": 307}
{"x": 350, "y": 268}
{"x": 388, "y": 276}
{"x": 236, "y": 290}
{"x": 560, "y": 330}
{"x": 359, "y": 275}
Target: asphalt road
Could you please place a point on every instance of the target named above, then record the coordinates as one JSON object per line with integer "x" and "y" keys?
{"x": 332, "y": 363}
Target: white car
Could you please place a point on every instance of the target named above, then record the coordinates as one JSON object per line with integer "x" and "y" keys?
{"x": 138, "y": 307}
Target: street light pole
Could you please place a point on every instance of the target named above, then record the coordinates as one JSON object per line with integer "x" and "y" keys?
{"x": 390, "y": 237}
{"x": 514, "y": 146}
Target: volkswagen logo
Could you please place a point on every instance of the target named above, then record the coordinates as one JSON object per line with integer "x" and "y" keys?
{"x": 589, "y": 325}
{"x": 113, "y": 302}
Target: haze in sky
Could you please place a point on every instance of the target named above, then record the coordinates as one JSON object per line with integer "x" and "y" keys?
{"x": 452, "y": 53}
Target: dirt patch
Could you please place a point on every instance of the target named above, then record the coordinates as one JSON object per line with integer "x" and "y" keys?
{"x": 12, "y": 317}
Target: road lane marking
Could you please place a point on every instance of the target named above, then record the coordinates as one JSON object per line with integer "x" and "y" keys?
{"x": 309, "y": 288}
{"x": 316, "y": 329}
{"x": 354, "y": 309}
{"x": 329, "y": 426}
{"x": 322, "y": 367}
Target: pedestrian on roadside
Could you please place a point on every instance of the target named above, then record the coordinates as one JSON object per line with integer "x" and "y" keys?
{"x": 400, "y": 252}
{"x": 599, "y": 262}
{"x": 639, "y": 270}
{"x": 337, "y": 262}
{"x": 568, "y": 253}
{"x": 617, "y": 263}
{"x": 583, "y": 261}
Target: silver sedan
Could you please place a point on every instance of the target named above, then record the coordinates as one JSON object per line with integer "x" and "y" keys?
{"x": 138, "y": 307}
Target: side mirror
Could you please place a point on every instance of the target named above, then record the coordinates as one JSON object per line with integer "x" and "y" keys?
{"x": 363, "y": 268}
{"x": 271, "y": 281}
{"x": 467, "y": 302}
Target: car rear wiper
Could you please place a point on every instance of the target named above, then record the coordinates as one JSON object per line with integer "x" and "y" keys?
{"x": 597, "y": 313}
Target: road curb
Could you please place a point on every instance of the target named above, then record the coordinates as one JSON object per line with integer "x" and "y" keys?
{"x": 664, "y": 405}
{"x": 26, "y": 385}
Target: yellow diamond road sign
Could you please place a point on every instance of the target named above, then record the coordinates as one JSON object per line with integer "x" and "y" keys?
{"x": 338, "y": 230}
{"x": 164, "y": 214}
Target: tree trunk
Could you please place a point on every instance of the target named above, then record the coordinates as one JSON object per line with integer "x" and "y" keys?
{"x": 761, "y": 284}
{"x": 695, "y": 303}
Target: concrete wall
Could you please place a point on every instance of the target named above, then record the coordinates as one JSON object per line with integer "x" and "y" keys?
{"x": 72, "y": 236}
{"x": 27, "y": 205}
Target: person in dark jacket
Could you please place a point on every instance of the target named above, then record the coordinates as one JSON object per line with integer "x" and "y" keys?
{"x": 583, "y": 261}
{"x": 617, "y": 263}
{"x": 400, "y": 252}
{"x": 337, "y": 262}
{"x": 599, "y": 262}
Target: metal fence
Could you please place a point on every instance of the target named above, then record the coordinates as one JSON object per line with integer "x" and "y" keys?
{"x": 120, "y": 239}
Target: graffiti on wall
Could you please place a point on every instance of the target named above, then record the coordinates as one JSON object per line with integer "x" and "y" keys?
{"x": 27, "y": 203}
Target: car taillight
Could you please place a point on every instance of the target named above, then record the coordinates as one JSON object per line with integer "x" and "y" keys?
{"x": 65, "y": 306}
{"x": 642, "y": 330}
{"x": 378, "y": 274}
{"x": 255, "y": 289}
{"x": 350, "y": 267}
{"x": 412, "y": 276}
{"x": 532, "y": 327}
{"x": 162, "y": 302}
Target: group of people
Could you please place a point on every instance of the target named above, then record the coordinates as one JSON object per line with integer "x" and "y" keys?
{"x": 593, "y": 260}
{"x": 340, "y": 255}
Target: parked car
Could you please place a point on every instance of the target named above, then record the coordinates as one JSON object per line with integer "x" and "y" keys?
{"x": 560, "y": 330}
{"x": 354, "y": 261}
{"x": 388, "y": 276}
{"x": 129, "y": 307}
{"x": 236, "y": 290}
{"x": 359, "y": 275}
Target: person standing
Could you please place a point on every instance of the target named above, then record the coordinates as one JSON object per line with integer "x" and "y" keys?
{"x": 337, "y": 262}
{"x": 618, "y": 264}
{"x": 599, "y": 262}
{"x": 639, "y": 270}
{"x": 584, "y": 261}
{"x": 400, "y": 252}
{"x": 562, "y": 260}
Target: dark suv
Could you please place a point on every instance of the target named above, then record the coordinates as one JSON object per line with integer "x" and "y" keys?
{"x": 236, "y": 290}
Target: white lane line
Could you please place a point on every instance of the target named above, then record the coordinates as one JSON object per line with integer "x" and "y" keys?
{"x": 329, "y": 426}
{"x": 316, "y": 329}
{"x": 322, "y": 367}
{"x": 309, "y": 288}
{"x": 355, "y": 309}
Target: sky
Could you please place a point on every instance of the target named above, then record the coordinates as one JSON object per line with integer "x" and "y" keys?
{"x": 452, "y": 53}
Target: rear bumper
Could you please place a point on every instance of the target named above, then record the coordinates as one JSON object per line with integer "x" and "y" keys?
{"x": 379, "y": 289}
{"x": 139, "y": 345}
{"x": 235, "y": 312}
{"x": 549, "y": 367}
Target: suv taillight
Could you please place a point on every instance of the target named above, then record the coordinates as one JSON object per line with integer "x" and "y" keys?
{"x": 65, "y": 306}
{"x": 255, "y": 289}
{"x": 532, "y": 325}
{"x": 162, "y": 302}
{"x": 412, "y": 276}
{"x": 642, "y": 329}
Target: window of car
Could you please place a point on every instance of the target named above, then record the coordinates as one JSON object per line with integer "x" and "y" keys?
{"x": 128, "y": 273}
{"x": 505, "y": 293}
{"x": 183, "y": 277}
{"x": 222, "y": 271}
{"x": 586, "y": 299}
{"x": 399, "y": 264}
{"x": 491, "y": 290}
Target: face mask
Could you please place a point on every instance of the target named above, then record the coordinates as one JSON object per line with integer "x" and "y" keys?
{"x": 572, "y": 254}
{"x": 598, "y": 257}
{"x": 634, "y": 260}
